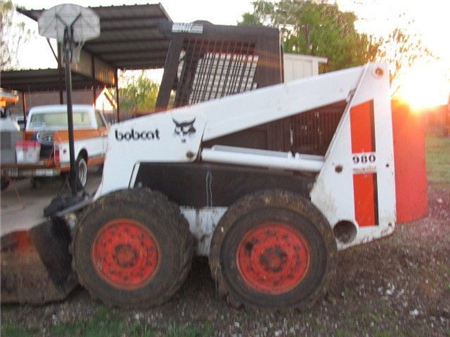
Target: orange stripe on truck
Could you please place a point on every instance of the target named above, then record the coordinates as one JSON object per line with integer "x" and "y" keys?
{"x": 63, "y": 136}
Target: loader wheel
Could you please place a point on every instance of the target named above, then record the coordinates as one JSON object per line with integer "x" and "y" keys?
{"x": 273, "y": 250}
{"x": 133, "y": 249}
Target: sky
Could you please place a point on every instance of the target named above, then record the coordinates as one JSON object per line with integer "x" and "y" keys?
{"x": 428, "y": 19}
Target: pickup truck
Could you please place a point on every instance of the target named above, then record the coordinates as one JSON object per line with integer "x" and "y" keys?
{"x": 43, "y": 150}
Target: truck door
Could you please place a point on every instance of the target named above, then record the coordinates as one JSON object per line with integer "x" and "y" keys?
{"x": 103, "y": 129}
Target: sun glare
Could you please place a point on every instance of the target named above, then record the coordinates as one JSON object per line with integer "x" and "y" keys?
{"x": 424, "y": 86}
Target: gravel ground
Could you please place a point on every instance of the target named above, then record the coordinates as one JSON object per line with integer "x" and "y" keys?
{"x": 397, "y": 286}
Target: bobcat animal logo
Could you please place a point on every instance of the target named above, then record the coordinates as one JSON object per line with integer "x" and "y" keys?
{"x": 184, "y": 129}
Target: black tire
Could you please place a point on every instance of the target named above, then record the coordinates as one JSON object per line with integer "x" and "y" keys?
{"x": 156, "y": 218}
{"x": 273, "y": 250}
{"x": 4, "y": 183}
{"x": 82, "y": 172}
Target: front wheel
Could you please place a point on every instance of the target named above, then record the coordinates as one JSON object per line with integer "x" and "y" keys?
{"x": 273, "y": 250}
{"x": 133, "y": 249}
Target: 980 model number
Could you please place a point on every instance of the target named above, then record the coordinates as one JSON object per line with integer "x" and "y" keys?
{"x": 364, "y": 158}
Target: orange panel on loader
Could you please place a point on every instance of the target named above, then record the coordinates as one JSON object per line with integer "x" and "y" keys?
{"x": 410, "y": 166}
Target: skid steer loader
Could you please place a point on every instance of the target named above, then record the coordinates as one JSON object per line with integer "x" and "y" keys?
{"x": 196, "y": 180}
{"x": 270, "y": 222}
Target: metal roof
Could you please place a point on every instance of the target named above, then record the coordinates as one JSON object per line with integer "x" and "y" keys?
{"x": 132, "y": 37}
{"x": 32, "y": 80}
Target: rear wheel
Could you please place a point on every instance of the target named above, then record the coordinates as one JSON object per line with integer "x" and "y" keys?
{"x": 82, "y": 171}
{"x": 273, "y": 250}
{"x": 133, "y": 249}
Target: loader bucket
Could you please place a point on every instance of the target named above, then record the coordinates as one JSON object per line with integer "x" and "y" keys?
{"x": 36, "y": 264}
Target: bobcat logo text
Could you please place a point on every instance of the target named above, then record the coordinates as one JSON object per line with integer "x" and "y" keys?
{"x": 137, "y": 135}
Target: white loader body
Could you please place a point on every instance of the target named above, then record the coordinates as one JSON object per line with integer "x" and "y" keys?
{"x": 354, "y": 185}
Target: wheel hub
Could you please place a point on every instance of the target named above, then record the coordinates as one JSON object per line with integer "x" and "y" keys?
{"x": 273, "y": 258}
{"x": 125, "y": 254}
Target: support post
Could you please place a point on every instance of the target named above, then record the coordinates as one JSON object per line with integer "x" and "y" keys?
{"x": 94, "y": 88}
{"x": 68, "y": 32}
{"x": 60, "y": 74}
{"x": 24, "y": 108}
{"x": 116, "y": 79}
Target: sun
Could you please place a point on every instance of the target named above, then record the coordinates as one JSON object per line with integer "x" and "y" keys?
{"x": 424, "y": 86}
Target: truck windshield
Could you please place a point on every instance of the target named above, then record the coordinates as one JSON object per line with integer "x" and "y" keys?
{"x": 80, "y": 119}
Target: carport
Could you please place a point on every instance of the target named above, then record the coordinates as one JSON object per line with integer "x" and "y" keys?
{"x": 132, "y": 37}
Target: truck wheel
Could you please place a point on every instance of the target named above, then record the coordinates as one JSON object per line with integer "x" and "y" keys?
{"x": 132, "y": 249}
{"x": 273, "y": 250}
{"x": 82, "y": 170}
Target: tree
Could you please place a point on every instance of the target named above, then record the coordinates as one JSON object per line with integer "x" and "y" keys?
{"x": 316, "y": 28}
{"x": 139, "y": 95}
{"x": 401, "y": 51}
{"x": 12, "y": 34}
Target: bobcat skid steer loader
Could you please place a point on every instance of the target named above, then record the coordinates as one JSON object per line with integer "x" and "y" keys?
{"x": 269, "y": 184}
{"x": 270, "y": 222}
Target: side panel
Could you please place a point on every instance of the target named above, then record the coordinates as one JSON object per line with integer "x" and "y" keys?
{"x": 357, "y": 182}
{"x": 206, "y": 185}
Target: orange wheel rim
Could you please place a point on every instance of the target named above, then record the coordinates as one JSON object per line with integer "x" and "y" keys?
{"x": 125, "y": 254}
{"x": 273, "y": 258}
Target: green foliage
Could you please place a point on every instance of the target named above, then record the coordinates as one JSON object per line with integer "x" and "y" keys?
{"x": 139, "y": 94}
{"x": 12, "y": 34}
{"x": 316, "y": 28}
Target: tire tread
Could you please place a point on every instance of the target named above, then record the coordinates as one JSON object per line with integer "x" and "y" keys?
{"x": 162, "y": 206}
{"x": 284, "y": 199}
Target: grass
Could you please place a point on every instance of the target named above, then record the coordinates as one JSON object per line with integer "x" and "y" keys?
{"x": 438, "y": 159}
{"x": 105, "y": 323}
{"x": 188, "y": 331}
{"x": 108, "y": 323}
{"x": 13, "y": 330}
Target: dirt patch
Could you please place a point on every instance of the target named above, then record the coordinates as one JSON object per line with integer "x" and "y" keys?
{"x": 397, "y": 286}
